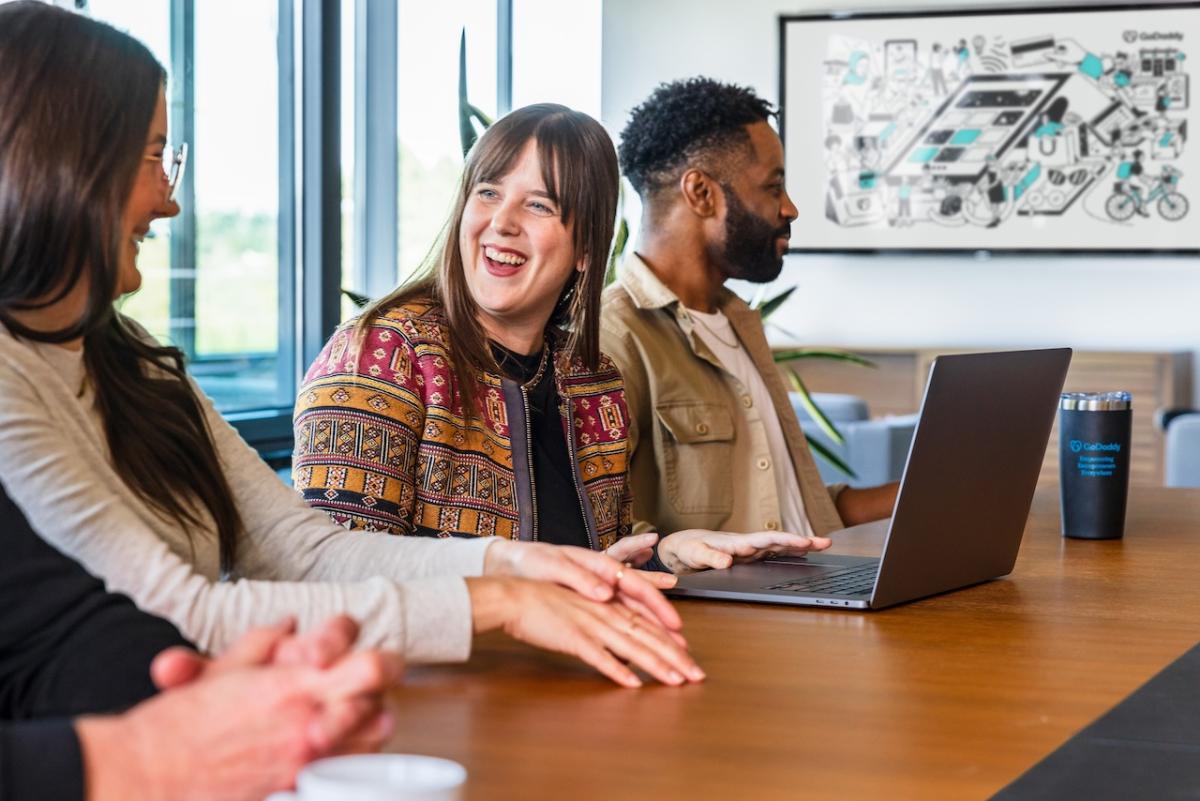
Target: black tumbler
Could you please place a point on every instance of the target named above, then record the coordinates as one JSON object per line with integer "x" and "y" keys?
{"x": 1093, "y": 440}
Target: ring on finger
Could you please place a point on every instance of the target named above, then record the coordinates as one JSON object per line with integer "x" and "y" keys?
{"x": 621, "y": 571}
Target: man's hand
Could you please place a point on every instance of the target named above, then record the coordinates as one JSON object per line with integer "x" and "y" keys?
{"x": 696, "y": 549}
{"x": 240, "y": 729}
{"x": 269, "y": 645}
{"x": 858, "y": 506}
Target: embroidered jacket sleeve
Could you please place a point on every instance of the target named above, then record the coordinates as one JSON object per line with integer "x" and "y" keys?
{"x": 359, "y": 419}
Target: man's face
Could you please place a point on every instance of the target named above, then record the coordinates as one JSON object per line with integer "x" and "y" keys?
{"x": 758, "y": 213}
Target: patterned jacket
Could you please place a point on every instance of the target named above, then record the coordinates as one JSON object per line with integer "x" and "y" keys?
{"x": 382, "y": 443}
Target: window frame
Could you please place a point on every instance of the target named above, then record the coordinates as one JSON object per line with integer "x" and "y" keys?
{"x": 309, "y": 246}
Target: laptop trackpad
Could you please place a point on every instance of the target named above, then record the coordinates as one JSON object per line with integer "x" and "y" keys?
{"x": 756, "y": 575}
{"x": 813, "y": 565}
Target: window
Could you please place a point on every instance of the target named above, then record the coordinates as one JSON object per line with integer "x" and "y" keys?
{"x": 246, "y": 279}
{"x": 211, "y": 275}
{"x": 430, "y": 151}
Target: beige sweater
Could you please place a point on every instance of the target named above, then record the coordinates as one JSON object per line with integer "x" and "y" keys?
{"x": 407, "y": 592}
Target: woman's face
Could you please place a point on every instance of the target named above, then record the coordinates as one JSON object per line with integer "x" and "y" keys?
{"x": 516, "y": 252}
{"x": 148, "y": 200}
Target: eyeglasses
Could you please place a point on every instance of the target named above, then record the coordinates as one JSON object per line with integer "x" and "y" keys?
{"x": 174, "y": 163}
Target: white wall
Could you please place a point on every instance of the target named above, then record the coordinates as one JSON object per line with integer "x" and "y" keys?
{"x": 928, "y": 301}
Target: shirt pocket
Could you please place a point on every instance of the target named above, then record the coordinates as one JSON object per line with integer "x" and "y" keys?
{"x": 697, "y": 450}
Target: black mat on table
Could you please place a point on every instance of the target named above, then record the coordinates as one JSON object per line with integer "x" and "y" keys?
{"x": 1147, "y": 746}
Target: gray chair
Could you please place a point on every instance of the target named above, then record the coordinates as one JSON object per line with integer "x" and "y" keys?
{"x": 875, "y": 449}
{"x": 1182, "y": 468}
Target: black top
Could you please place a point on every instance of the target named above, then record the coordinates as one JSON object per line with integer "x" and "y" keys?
{"x": 67, "y": 647}
{"x": 559, "y": 514}
{"x": 40, "y": 761}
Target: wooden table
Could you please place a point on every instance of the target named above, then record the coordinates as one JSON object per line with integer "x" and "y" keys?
{"x": 948, "y": 698}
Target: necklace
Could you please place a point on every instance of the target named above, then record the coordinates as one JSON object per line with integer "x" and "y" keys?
{"x": 506, "y": 357}
{"x": 537, "y": 377}
{"x": 731, "y": 345}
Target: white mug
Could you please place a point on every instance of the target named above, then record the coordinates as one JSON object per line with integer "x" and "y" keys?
{"x": 378, "y": 777}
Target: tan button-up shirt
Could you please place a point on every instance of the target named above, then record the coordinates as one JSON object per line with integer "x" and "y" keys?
{"x": 696, "y": 457}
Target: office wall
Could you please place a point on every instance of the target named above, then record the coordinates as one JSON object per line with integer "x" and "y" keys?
{"x": 1090, "y": 303}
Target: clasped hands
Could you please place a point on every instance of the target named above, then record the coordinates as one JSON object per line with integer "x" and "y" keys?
{"x": 257, "y": 714}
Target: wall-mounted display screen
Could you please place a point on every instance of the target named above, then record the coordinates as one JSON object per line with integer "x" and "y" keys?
{"x": 1009, "y": 130}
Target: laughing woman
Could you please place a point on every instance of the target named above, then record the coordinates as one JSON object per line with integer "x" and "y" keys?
{"x": 120, "y": 461}
{"x": 437, "y": 412}
{"x": 475, "y": 401}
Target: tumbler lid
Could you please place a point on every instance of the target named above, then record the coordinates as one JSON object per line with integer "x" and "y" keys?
{"x": 1096, "y": 401}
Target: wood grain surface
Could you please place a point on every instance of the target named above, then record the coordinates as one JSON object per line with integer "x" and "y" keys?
{"x": 947, "y": 698}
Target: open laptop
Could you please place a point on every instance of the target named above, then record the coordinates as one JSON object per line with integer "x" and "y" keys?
{"x": 964, "y": 497}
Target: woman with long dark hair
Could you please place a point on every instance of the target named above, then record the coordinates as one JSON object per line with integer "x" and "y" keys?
{"x": 119, "y": 460}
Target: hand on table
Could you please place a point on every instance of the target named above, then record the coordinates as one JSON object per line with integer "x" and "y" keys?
{"x": 697, "y": 549}
{"x": 593, "y": 575}
{"x": 599, "y": 633}
{"x": 241, "y": 726}
{"x": 269, "y": 645}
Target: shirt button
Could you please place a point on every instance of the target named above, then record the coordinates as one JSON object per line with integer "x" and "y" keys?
{"x": 747, "y": 401}
{"x": 763, "y": 464}
{"x": 771, "y": 525}
{"x": 701, "y": 428}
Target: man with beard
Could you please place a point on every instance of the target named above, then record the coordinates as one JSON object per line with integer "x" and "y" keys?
{"x": 714, "y": 443}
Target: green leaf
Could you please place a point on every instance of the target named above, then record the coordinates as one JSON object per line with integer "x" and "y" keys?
{"x": 830, "y": 457}
{"x": 620, "y": 239}
{"x": 789, "y": 354}
{"x": 482, "y": 118}
{"x": 468, "y": 114}
{"x": 358, "y": 300}
{"x": 813, "y": 410}
{"x": 769, "y": 307}
{"x": 619, "y": 242}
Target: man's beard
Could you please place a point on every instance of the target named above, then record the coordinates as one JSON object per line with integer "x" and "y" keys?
{"x": 750, "y": 251}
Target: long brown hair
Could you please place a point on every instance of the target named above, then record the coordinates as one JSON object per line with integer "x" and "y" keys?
{"x": 579, "y": 169}
{"x": 76, "y": 100}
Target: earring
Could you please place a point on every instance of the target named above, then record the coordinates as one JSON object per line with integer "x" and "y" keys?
{"x": 575, "y": 309}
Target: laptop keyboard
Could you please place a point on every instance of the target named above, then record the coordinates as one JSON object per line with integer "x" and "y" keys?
{"x": 850, "y": 581}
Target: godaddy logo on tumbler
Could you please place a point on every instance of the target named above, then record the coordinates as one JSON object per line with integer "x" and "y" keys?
{"x": 1078, "y": 445}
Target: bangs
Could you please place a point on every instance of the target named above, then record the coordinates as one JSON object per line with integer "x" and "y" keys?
{"x": 557, "y": 136}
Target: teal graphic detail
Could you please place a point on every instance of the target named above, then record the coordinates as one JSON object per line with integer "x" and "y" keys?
{"x": 1027, "y": 181}
{"x": 923, "y": 155}
{"x": 966, "y": 136}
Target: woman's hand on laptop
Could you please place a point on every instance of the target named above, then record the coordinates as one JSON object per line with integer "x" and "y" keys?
{"x": 636, "y": 550}
{"x": 697, "y": 549}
